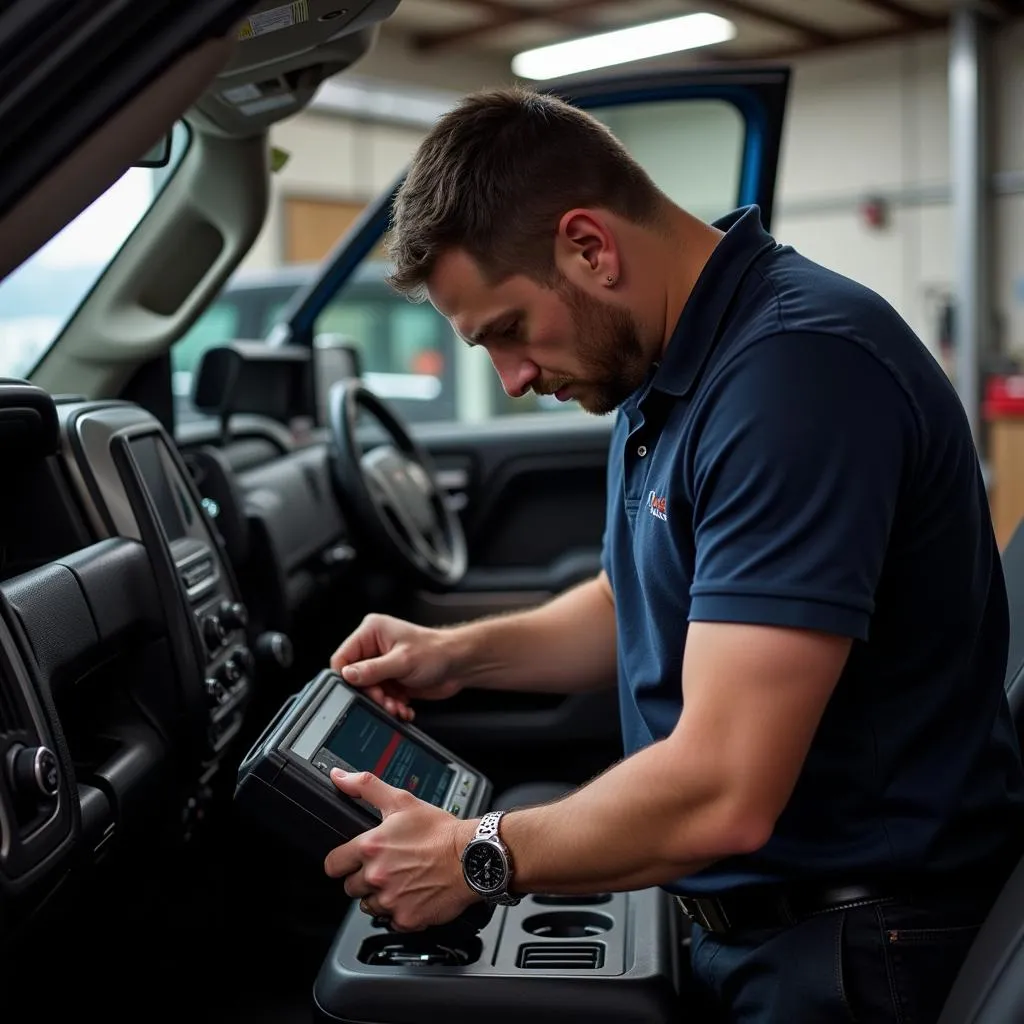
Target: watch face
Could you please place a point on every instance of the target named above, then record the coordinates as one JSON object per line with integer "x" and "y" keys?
{"x": 485, "y": 867}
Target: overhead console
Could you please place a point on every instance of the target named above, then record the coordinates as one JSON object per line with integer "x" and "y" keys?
{"x": 285, "y": 51}
{"x": 134, "y": 485}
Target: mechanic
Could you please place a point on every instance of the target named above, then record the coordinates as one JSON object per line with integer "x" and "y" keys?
{"x": 801, "y": 600}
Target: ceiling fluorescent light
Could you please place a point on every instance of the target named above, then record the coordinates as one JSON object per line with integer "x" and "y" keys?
{"x": 372, "y": 100}
{"x": 623, "y": 45}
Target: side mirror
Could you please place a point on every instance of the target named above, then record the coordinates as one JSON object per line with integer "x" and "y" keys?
{"x": 159, "y": 155}
{"x": 335, "y": 358}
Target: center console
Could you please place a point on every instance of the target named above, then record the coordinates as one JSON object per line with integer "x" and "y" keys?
{"x": 609, "y": 957}
{"x": 605, "y": 957}
{"x": 133, "y": 484}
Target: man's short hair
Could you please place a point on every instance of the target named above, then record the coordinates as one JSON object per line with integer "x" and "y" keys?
{"x": 494, "y": 177}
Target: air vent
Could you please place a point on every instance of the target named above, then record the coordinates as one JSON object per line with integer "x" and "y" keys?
{"x": 561, "y": 956}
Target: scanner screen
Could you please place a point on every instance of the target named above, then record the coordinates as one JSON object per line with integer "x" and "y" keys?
{"x": 368, "y": 743}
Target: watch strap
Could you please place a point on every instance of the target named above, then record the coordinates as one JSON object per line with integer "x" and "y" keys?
{"x": 487, "y": 831}
{"x": 488, "y": 827}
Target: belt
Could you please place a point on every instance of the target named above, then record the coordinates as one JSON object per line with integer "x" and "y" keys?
{"x": 776, "y": 906}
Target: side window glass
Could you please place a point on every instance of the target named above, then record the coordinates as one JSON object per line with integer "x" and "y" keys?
{"x": 693, "y": 149}
{"x": 270, "y": 317}
{"x": 408, "y": 351}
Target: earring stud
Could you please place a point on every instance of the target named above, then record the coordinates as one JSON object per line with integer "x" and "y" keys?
{"x": 611, "y": 280}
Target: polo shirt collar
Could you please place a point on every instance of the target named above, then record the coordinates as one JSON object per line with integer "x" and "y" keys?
{"x": 697, "y": 328}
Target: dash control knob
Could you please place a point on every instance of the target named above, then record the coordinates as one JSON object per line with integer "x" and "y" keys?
{"x": 234, "y": 615}
{"x": 214, "y": 633}
{"x": 216, "y": 692}
{"x": 275, "y": 651}
{"x": 241, "y": 663}
{"x": 35, "y": 773}
{"x": 231, "y": 671}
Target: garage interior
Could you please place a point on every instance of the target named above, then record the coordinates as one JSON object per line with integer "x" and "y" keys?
{"x": 903, "y": 161}
{"x": 900, "y": 165}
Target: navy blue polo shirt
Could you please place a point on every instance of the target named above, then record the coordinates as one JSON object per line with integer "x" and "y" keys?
{"x": 798, "y": 459}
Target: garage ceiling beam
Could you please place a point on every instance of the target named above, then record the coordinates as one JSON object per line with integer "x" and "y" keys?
{"x": 504, "y": 15}
{"x": 518, "y": 13}
{"x": 881, "y": 35}
{"x": 813, "y": 37}
{"x": 812, "y": 32}
{"x": 907, "y": 15}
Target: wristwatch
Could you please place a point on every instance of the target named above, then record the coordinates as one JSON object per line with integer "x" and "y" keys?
{"x": 487, "y": 864}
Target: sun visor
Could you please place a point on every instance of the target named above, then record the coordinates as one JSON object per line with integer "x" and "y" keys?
{"x": 257, "y": 379}
{"x": 28, "y": 421}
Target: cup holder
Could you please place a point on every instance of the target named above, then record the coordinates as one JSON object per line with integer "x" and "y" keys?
{"x": 418, "y": 951}
{"x": 573, "y": 901}
{"x": 567, "y": 924}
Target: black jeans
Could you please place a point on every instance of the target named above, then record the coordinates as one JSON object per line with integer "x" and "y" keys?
{"x": 885, "y": 964}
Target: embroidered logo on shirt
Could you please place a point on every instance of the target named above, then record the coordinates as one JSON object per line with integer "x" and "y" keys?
{"x": 658, "y": 507}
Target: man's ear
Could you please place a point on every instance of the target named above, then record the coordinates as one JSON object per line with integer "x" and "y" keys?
{"x": 586, "y": 252}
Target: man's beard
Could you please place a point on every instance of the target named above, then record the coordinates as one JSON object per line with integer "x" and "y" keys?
{"x": 609, "y": 350}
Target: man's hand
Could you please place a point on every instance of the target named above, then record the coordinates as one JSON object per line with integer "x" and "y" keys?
{"x": 393, "y": 661}
{"x": 409, "y": 867}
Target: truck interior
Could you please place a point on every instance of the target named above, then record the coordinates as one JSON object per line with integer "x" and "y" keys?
{"x": 169, "y": 583}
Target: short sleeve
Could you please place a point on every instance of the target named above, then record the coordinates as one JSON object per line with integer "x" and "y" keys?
{"x": 799, "y": 446}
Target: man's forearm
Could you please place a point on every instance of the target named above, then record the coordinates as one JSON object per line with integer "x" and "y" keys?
{"x": 565, "y": 646}
{"x": 644, "y": 822}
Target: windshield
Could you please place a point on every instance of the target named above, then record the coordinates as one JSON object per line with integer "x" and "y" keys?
{"x": 39, "y": 298}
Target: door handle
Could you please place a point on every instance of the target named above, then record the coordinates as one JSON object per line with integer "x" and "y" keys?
{"x": 453, "y": 483}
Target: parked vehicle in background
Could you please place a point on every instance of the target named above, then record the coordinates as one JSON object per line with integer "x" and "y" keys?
{"x": 409, "y": 354}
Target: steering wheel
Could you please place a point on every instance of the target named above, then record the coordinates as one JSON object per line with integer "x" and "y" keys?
{"x": 392, "y": 490}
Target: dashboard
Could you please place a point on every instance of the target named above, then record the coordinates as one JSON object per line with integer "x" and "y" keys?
{"x": 133, "y": 486}
{"x": 163, "y": 602}
{"x": 128, "y": 657}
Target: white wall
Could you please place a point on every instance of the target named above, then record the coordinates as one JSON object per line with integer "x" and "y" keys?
{"x": 875, "y": 121}
{"x": 392, "y": 58}
{"x": 331, "y": 158}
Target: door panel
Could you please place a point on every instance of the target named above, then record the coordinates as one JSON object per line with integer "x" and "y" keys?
{"x": 531, "y": 494}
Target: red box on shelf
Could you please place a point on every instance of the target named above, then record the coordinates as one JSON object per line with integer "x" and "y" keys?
{"x": 1004, "y": 397}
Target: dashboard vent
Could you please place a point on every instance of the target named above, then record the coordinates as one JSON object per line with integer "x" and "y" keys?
{"x": 561, "y": 956}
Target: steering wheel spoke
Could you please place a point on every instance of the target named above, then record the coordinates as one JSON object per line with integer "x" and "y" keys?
{"x": 392, "y": 490}
{"x": 424, "y": 547}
